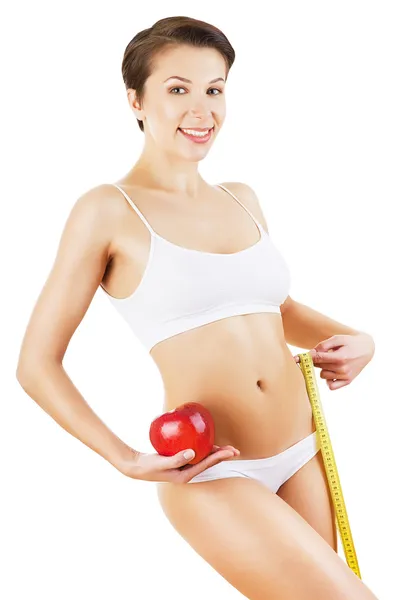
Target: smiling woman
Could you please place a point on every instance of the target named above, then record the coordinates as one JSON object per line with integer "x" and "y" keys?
{"x": 194, "y": 111}
{"x": 192, "y": 269}
{"x": 143, "y": 50}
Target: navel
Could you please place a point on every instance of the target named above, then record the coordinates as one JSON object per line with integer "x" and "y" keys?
{"x": 260, "y": 384}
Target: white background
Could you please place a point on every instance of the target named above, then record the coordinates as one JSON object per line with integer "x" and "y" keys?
{"x": 313, "y": 126}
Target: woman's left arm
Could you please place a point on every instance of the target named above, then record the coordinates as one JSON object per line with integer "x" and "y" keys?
{"x": 340, "y": 351}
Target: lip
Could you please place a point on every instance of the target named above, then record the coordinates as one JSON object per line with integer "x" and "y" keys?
{"x": 199, "y": 140}
{"x": 198, "y": 128}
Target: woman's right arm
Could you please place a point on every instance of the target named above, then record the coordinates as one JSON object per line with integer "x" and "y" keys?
{"x": 82, "y": 256}
{"x": 78, "y": 269}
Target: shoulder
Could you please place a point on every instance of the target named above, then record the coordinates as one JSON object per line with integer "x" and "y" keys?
{"x": 249, "y": 198}
{"x": 99, "y": 205}
{"x": 94, "y": 202}
{"x": 95, "y": 216}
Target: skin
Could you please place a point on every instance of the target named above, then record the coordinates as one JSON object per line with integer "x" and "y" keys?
{"x": 281, "y": 545}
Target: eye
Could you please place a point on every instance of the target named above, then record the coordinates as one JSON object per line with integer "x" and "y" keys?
{"x": 181, "y": 88}
{"x": 176, "y": 88}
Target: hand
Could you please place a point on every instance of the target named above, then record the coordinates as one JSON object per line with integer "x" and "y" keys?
{"x": 174, "y": 469}
{"x": 342, "y": 358}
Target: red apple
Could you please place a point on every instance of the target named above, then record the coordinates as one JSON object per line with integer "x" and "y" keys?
{"x": 189, "y": 425}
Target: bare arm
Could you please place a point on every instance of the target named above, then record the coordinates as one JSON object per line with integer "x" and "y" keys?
{"x": 77, "y": 271}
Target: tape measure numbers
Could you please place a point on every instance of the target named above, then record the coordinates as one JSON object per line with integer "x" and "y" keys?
{"x": 342, "y": 521}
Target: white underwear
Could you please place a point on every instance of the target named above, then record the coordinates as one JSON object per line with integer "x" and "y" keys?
{"x": 272, "y": 471}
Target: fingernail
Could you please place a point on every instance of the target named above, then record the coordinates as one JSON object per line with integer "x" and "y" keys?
{"x": 189, "y": 454}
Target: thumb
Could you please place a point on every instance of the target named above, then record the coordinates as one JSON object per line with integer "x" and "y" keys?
{"x": 335, "y": 341}
{"x": 183, "y": 457}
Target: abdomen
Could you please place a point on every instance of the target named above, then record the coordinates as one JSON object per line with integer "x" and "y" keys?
{"x": 242, "y": 370}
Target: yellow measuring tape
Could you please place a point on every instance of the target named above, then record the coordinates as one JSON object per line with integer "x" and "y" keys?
{"x": 342, "y": 522}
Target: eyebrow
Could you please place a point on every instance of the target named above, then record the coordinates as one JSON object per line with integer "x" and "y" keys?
{"x": 188, "y": 80}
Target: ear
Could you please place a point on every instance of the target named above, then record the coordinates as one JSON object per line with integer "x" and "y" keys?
{"x": 135, "y": 105}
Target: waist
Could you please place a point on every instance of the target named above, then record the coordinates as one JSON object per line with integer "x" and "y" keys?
{"x": 249, "y": 382}
{"x": 226, "y": 355}
{"x": 260, "y": 416}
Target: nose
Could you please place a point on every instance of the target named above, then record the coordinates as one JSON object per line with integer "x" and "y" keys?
{"x": 199, "y": 108}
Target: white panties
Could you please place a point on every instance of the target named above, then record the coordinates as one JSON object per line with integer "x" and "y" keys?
{"x": 272, "y": 471}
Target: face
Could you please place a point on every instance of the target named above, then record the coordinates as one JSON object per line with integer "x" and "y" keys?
{"x": 171, "y": 104}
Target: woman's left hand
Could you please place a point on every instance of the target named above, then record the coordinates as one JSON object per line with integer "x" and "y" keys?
{"x": 342, "y": 358}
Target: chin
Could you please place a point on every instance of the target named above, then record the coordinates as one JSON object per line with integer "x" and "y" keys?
{"x": 193, "y": 158}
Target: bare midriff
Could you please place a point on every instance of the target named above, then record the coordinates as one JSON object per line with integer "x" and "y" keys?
{"x": 242, "y": 370}
{"x": 238, "y": 367}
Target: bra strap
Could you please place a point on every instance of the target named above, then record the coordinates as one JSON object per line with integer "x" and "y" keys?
{"x": 245, "y": 207}
{"x": 135, "y": 208}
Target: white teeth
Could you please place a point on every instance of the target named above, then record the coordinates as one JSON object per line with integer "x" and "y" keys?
{"x": 196, "y": 133}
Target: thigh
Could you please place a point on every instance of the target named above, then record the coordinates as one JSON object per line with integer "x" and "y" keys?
{"x": 307, "y": 491}
{"x": 257, "y": 542}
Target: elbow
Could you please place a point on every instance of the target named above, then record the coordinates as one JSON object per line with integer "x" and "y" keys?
{"x": 24, "y": 376}
{"x": 28, "y": 372}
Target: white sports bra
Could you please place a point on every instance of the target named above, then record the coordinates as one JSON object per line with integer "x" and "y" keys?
{"x": 182, "y": 288}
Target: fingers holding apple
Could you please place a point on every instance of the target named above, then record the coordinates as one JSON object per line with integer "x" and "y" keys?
{"x": 217, "y": 453}
{"x": 189, "y": 425}
{"x": 190, "y": 471}
{"x": 173, "y": 469}
{"x": 187, "y": 428}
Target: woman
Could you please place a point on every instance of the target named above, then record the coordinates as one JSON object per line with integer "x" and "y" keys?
{"x": 192, "y": 269}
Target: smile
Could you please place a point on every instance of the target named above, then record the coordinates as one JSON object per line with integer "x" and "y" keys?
{"x": 197, "y": 136}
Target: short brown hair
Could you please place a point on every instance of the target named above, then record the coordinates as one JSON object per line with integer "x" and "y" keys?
{"x": 140, "y": 53}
